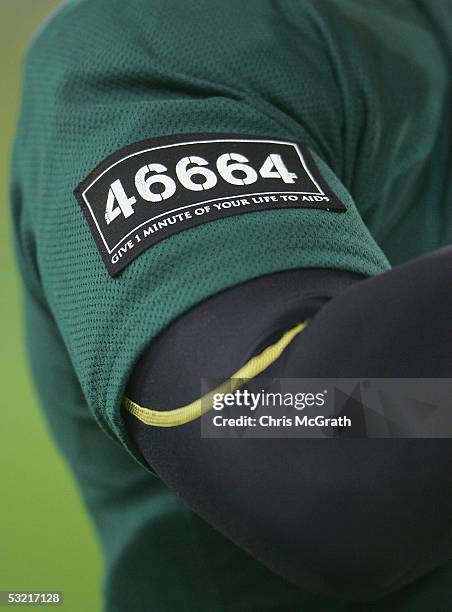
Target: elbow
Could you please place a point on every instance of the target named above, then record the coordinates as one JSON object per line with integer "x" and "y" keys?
{"x": 343, "y": 570}
{"x": 341, "y": 544}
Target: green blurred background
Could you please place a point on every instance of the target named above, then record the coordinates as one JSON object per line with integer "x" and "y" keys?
{"x": 47, "y": 542}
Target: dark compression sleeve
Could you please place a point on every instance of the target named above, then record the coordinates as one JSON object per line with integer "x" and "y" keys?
{"x": 355, "y": 518}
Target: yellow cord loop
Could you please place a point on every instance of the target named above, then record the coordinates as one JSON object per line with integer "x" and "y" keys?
{"x": 190, "y": 412}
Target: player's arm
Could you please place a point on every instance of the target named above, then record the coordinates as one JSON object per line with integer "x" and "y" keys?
{"x": 163, "y": 72}
{"x": 355, "y": 518}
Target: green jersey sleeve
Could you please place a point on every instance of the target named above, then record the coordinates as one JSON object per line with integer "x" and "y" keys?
{"x": 103, "y": 75}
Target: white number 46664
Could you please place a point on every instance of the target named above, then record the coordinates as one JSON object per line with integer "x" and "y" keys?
{"x": 233, "y": 168}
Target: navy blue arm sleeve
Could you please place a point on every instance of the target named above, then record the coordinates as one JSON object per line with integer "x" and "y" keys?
{"x": 353, "y": 518}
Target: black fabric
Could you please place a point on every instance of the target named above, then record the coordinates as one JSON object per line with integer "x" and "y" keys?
{"x": 221, "y": 334}
{"x": 356, "y": 518}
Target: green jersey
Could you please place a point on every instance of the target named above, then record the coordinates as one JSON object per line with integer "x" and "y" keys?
{"x": 362, "y": 85}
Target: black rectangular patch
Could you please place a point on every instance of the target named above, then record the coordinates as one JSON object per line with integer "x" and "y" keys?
{"x": 152, "y": 189}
